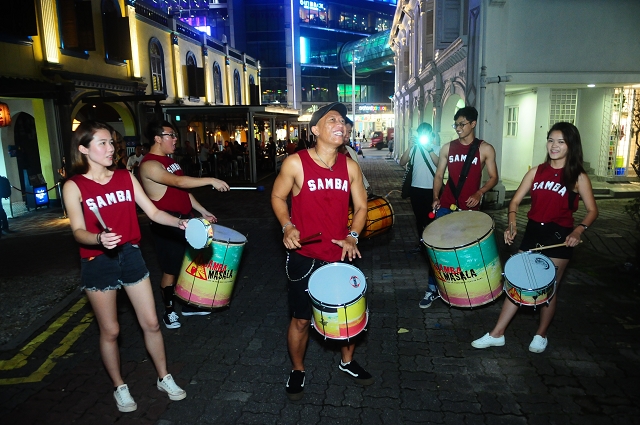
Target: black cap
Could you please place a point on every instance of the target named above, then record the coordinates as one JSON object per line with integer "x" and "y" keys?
{"x": 347, "y": 121}
{"x": 335, "y": 106}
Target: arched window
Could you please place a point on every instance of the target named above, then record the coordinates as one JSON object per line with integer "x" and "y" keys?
{"x": 237, "y": 89}
{"x": 156, "y": 63}
{"x": 191, "y": 59}
{"x": 217, "y": 84}
{"x": 195, "y": 78}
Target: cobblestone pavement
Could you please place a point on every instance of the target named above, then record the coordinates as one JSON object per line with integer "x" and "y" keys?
{"x": 234, "y": 363}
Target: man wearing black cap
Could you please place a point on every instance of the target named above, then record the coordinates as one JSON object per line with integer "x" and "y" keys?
{"x": 320, "y": 182}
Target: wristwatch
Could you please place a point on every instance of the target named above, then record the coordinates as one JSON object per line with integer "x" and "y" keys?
{"x": 354, "y": 235}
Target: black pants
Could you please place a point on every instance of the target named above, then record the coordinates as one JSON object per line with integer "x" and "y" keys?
{"x": 421, "y": 201}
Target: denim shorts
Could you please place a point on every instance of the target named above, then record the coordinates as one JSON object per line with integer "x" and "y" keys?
{"x": 118, "y": 267}
{"x": 299, "y": 270}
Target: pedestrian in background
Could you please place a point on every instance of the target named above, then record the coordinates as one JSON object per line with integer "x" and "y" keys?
{"x": 555, "y": 186}
{"x": 5, "y": 193}
{"x": 110, "y": 258}
{"x": 422, "y": 156}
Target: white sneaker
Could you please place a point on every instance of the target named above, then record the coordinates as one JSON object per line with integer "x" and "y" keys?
{"x": 538, "y": 344}
{"x": 123, "y": 399}
{"x": 488, "y": 341}
{"x": 169, "y": 386}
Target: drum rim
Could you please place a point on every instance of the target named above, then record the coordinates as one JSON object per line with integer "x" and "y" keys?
{"x": 513, "y": 285}
{"x": 206, "y": 225}
{"x": 452, "y": 248}
{"x": 338, "y": 264}
{"x": 214, "y": 225}
{"x": 348, "y": 304}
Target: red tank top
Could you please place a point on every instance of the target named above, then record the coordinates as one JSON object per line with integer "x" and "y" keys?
{"x": 457, "y": 156}
{"x": 551, "y": 200}
{"x": 174, "y": 200}
{"x": 116, "y": 203}
{"x": 322, "y": 206}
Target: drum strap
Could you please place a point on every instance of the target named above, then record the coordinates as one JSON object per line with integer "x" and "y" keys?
{"x": 456, "y": 189}
{"x": 433, "y": 173}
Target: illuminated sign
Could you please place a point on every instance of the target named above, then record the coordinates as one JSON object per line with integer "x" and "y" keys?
{"x": 312, "y": 5}
{"x": 373, "y": 109}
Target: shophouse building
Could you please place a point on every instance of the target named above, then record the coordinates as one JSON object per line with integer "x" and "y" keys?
{"x": 524, "y": 65}
{"x": 121, "y": 61}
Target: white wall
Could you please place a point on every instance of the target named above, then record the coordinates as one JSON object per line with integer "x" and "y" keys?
{"x": 589, "y": 123}
{"x": 597, "y": 35}
{"x": 517, "y": 152}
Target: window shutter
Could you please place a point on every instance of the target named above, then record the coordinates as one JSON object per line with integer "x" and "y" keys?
{"x": 447, "y": 22}
{"x": 86, "y": 39}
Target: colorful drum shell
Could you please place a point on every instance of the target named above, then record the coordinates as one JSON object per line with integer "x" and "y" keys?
{"x": 464, "y": 255}
{"x": 199, "y": 233}
{"x": 380, "y": 217}
{"x": 208, "y": 275}
{"x": 337, "y": 293}
{"x": 530, "y": 278}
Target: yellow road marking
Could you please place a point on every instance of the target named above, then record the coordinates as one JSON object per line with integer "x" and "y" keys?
{"x": 50, "y": 362}
{"x": 20, "y": 359}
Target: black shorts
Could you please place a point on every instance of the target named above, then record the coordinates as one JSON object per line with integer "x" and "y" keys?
{"x": 170, "y": 246}
{"x": 545, "y": 234}
{"x": 299, "y": 269}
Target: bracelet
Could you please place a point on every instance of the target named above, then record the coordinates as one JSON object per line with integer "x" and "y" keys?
{"x": 287, "y": 224}
{"x": 515, "y": 212}
{"x": 583, "y": 225}
{"x": 99, "y": 238}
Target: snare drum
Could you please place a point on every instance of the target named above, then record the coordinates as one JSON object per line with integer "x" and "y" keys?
{"x": 379, "y": 217}
{"x": 337, "y": 292}
{"x": 208, "y": 275}
{"x": 199, "y": 233}
{"x": 464, "y": 255}
{"x": 530, "y": 278}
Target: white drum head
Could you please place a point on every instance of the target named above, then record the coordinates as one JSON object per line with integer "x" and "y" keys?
{"x": 530, "y": 270}
{"x": 337, "y": 284}
{"x": 458, "y": 229}
{"x": 198, "y": 233}
{"x": 225, "y": 234}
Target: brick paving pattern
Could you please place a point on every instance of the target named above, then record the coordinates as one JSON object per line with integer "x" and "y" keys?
{"x": 234, "y": 363}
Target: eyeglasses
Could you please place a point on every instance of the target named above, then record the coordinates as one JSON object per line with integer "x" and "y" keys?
{"x": 460, "y": 124}
{"x": 172, "y": 135}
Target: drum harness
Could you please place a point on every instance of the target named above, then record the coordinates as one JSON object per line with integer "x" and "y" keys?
{"x": 456, "y": 189}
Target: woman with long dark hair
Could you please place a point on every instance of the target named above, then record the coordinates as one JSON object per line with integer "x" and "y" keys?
{"x": 110, "y": 258}
{"x": 555, "y": 186}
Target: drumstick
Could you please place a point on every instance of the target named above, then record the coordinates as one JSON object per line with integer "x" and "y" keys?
{"x": 97, "y": 213}
{"x": 308, "y": 238}
{"x": 540, "y": 248}
{"x": 259, "y": 188}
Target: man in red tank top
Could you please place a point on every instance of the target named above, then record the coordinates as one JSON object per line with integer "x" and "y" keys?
{"x": 166, "y": 185}
{"x": 453, "y": 155}
{"x": 320, "y": 182}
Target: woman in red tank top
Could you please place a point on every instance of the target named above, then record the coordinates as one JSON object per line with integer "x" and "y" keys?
{"x": 555, "y": 186}
{"x": 110, "y": 258}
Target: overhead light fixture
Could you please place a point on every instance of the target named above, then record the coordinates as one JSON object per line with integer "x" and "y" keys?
{"x": 591, "y": 85}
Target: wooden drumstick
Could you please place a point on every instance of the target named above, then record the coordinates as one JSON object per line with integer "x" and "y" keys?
{"x": 308, "y": 238}
{"x": 97, "y": 213}
{"x": 540, "y": 248}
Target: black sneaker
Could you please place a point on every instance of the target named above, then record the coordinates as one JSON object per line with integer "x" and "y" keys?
{"x": 295, "y": 385}
{"x": 171, "y": 320}
{"x": 355, "y": 371}
{"x": 188, "y": 310}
